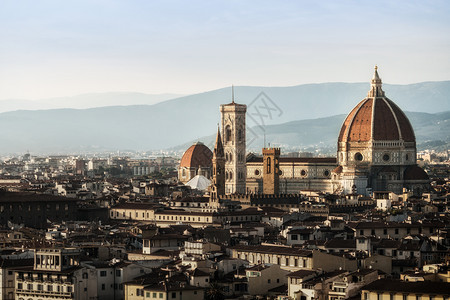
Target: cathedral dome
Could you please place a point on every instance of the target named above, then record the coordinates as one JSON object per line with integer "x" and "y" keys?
{"x": 198, "y": 155}
{"x": 376, "y": 118}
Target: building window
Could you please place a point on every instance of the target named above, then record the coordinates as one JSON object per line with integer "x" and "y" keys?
{"x": 118, "y": 273}
{"x": 228, "y": 134}
{"x": 102, "y": 273}
{"x": 103, "y": 286}
{"x": 359, "y": 157}
{"x": 174, "y": 294}
{"x": 269, "y": 165}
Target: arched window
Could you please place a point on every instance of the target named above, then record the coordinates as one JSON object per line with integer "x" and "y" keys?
{"x": 269, "y": 165}
{"x": 239, "y": 135}
{"x": 228, "y": 133}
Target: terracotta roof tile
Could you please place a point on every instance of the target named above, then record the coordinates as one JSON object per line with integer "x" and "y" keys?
{"x": 197, "y": 155}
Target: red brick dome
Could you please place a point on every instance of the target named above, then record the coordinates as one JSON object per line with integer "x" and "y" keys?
{"x": 376, "y": 118}
{"x": 198, "y": 155}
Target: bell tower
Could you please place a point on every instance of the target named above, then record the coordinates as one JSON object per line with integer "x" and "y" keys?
{"x": 233, "y": 138}
{"x": 271, "y": 171}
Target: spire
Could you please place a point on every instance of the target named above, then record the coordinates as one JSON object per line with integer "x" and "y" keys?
{"x": 375, "y": 86}
{"x": 232, "y": 94}
{"x": 375, "y": 75}
{"x": 218, "y": 148}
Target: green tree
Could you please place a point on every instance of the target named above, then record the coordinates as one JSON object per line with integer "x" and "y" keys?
{"x": 214, "y": 292}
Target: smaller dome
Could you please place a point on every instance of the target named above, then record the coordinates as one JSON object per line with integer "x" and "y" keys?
{"x": 198, "y": 155}
{"x": 415, "y": 173}
{"x": 199, "y": 182}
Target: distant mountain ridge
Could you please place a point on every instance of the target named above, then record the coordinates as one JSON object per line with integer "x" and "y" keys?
{"x": 323, "y": 133}
{"x": 181, "y": 120}
{"x": 84, "y": 101}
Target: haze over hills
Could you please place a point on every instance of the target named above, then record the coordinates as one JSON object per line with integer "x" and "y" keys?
{"x": 301, "y": 113}
{"x": 323, "y": 133}
{"x": 83, "y": 101}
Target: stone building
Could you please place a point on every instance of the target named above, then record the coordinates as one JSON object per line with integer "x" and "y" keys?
{"x": 376, "y": 152}
{"x": 377, "y": 148}
{"x": 56, "y": 274}
{"x": 35, "y": 210}
{"x": 234, "y": 144}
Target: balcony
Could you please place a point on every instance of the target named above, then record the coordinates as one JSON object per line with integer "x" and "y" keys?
{"x": 339, "y": 285}
{"x": 43, "y": 293}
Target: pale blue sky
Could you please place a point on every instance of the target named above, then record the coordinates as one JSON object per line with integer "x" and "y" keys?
{"x": 54, "y": 48}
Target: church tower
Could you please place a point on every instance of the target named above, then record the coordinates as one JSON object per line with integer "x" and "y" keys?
{"x": 271, "y": 171}
{"x": 218, "y": 171}
{"x": 233, "y": 137}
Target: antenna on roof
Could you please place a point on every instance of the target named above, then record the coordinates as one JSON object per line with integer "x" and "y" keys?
{"x": 232, "y": 93}
{"x": 264, "y": 140}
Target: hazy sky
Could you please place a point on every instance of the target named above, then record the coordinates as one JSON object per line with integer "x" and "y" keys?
{"x": 54, "y": 48}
